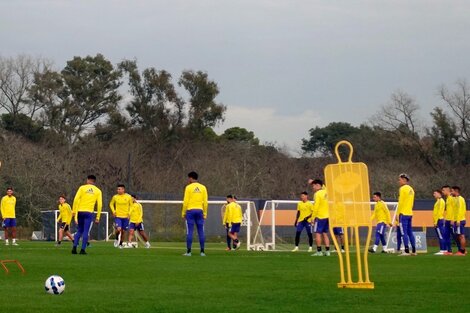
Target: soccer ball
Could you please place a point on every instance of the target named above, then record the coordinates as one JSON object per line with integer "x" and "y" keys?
{"x": 55, "y": 285}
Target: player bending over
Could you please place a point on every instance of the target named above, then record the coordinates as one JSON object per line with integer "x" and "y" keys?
{"x": 303, "y": 220}
{"x": 136, "y": 219}
{"x": 438, "y": 220}
{"x": 382, "y": 216}
{"x": 449, "y": 219}
{"x": 7, "y": 210}
{"x": 120, "y": 205}
{"x": 321, "y": 217}
{"x": 233, "y": 217}
{"x": 65, "y": 218}
{"x": 406, "y": 197}
{"x": 459, "y": 220}
{"x": 194, "y": 211}
{"x": 87, "y": 197}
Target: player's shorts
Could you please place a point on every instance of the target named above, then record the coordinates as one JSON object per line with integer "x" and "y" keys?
{"x": 235, "y": 228}
{"x": 337, "y": 231}
{"x": 321, "y": 225}
{"x": 304, "y": 224}
{"x": 9, "y": 222}
{"x": 121, "y": 222}
{"x": 459, "y": 228}
{"x": 136, "y": 226}
{"x": 64, "y": 226}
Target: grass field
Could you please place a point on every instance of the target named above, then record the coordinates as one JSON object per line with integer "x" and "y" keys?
{"x": 161, "y": 280}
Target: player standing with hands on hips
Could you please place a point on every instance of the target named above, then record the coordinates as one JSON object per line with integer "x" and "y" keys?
{"x": 87, "y": 197}
{"x": 406, "y": 198}
{"x": 7, "y": 209}
{"x": 194, "y": 211}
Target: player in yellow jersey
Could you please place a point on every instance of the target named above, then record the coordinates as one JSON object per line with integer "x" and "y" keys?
{"x": 406, "y": 197}
{"x": 320, "y": 217}
{"x": 382, "y": 216}
{"x": 88, "y": 197}
{"x": 303, "y": 219}
{"x": 7, "y": 210}
{"x": 194, "y": 211}
{"x": 232, "y": 220}
{"x": 459, "y": 220}
{"x": 120, "y": 205}
{"x": 438, "y": 220}
{"x": 136, "y": 222}
{"x": 65, "y": 218}
{"x": 449, "y": 220}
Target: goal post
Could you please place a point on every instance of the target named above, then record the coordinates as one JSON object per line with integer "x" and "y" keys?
{"x": 163, "y": 222}
{"x": 276, "y": 225}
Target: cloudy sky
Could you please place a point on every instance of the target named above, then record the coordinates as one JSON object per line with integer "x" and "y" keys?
{"x": 283, "y": 67}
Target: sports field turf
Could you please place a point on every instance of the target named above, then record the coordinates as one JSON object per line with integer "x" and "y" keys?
{"x": 162, "y": 280}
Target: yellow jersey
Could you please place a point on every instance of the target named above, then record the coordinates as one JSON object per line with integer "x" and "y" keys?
{"x": 450, "y": 208}
{"x": 120, "y": 205}
{"x": 306, "y": 210}
{"x": 136, "y": 213}
{"x": 7, "y": 207}
{"x": 85, "y": 200}
{"x": 320, "y": 205}
{"x": 195, "y": 198}
{"x": 438, "y": 211}
{"x": 65, "y": 213}
{"x": 460, "y": 209}
{"x": 381, "y": 213}
{"x": 233, "y": 213}
{"x": 406, "y": 199}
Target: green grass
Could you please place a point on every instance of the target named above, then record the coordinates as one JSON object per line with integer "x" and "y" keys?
{"x": 161, "y": 280}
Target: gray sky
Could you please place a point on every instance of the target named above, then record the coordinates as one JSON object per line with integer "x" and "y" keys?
{"x": 282, "y": 66}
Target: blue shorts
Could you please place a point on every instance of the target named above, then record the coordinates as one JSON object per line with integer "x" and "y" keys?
{"x": 121, "y": 222}
{"x": 304, "y": 224}
{"x": 136, "y": 226}
{"x": 235, "y": 228}
{"x": 459, "y": 228}
{"x": 64, "y": 226}
{"x": 9, "y": 222}
{"x": 338, "y": 231}
{"x": 321, "y": 225}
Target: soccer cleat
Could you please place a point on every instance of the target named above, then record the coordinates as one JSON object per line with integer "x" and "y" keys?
{"x": 327, "y": 253}
{"x": 74, "y": 250}
{"x": 147, "y": 245}
{"x": 342, "y": 251}
{"x": 14, "y": 243}
{"x": 334, "y": 251}
{"x": 116, "y": 243}
{"x": 383, "y": 251}
{"x": 228, "y": 249}
{"x": 82, "y": 251}
{"x": 413, "y": 254}
{"x": 448, "y": 253}
{"x": 295, "y": 249}
{"x": 459, "y": 254}
{"x": 404, "y": 254}
{"x": 203, "y": 254}
{"x": 318, "y": 253}
{"x": 6, "y": 243}
{"x": 239, "y": 244}
{"x": 371, "y": 250}
{"x": 439, "y": 253}
{"x": 310, "y": 249}
{"x": 187, "y": 254}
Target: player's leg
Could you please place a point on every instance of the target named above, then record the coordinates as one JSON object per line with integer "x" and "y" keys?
{"x": 131, "y": 233}
{"x": 404, "y": 232}
{"x": 189, "y": 231}
{"x": 318, "y": 236}
{"x": 456, "y": 236}
{"x": 61, "y": 233}
{"x": 88, "y": 219}
{"x": 229, "y": 239}
{"x": 377, "y": 238}
{"x": 308, "y": 227}
{"x": 200, "y": 230}
{"x": 67, "y": 232}
{"x": 440, "y": 235}
{"x": 300, "y": 226}
{"x": 326, "y": 240}
{"x": 447, "y": 234}
{"x": 117, "y": 231}
{"x": 125, "y": 230}
{"x": 399, "y": 238}
{"x": 80, "y": 230}
{"x": 234, "y": 230}
{"x": 411, "y": 235}
{"x": 382, "y": 237}
{"x": 5, "y": 231}
{"x": 460, "y": 232}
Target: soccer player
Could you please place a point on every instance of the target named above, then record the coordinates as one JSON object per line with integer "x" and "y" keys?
{"x": 449, "y": 219}
{"x": 459, "y": 220}
{"x": 87, "y": 197}
{"x": 382, "y": 216}
{"x": 303, "y": 220}
{"x": 438, "y": 220}
{"x": 320, "y": 216}
{"x": 120, "y": 205}
{"x": 338, "y": 232}
{"x": 136, "y": 219}
{"x": 406, "y": 197}
{"x": 194, "y": 211}
{"x": 65, "y": 218}
{"x": 233, "y": 217}
{"x": 7, "y": 209}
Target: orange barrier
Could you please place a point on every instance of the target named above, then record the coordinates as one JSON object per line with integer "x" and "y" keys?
{"x": 4, "y": 262}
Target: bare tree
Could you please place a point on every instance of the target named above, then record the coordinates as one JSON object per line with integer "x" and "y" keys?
{"x": 459, "y": 103}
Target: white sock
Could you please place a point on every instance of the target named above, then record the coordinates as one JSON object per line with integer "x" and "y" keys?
{"x": 14, "y": 240}
{"x": 374, "y": 248}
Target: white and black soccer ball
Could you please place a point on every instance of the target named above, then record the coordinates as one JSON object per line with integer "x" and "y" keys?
{"x": 55, "y": 285}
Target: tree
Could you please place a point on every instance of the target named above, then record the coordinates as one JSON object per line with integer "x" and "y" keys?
{"x": 156, "y": 105}
{"x": 240, "y": 134}
{"x": 204, "y": 111}
{"x": 443, "y": 134}
{"x": 75, "y": 99}
{"x": 323, "y": 139}
{"x": 458, "y": 102}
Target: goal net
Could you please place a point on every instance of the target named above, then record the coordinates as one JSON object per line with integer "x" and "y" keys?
{"x": 276, "y": 225}
{"x": 163, "y": 222}
{"x": 50, "y": 228}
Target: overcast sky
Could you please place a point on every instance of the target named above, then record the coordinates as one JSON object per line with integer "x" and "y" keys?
{"x": 283, "y": 67}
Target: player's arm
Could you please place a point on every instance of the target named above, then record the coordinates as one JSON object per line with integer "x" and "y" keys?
{"x": 374, "y": 213}
{"x": 316, "y": 206}
{"x": 59, "y": 217}
{"x": 185, "y": 202}
{"x": 226, "y": 214}
{"x": 76, "y": 203}
{"x": 141, "y": 212}
{"x": 388, "y": 217}
{"x": 2, "y": 208}
{"x": 297, "y": 215}
{"x": 112, "y": 205}
{"x": 205, "y": 202}
{"x": 99, "y": 206}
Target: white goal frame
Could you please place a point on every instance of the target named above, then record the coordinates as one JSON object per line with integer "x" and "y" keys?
{"x": 270, "y": 205}
{"x": 248, "y": 204}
